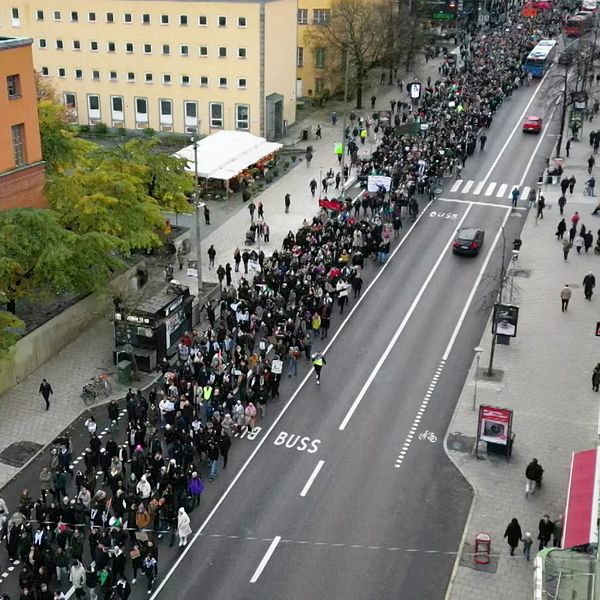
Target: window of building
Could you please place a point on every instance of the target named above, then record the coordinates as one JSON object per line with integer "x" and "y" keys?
{"x": 242, "y": 116}
{"x": 203, "y": 81}
{"x": 191, "y": 109}
{"x": 203, "y": 51}
{"x": 222, "y": 81}
{"x": 74, "y": 16}
{"x": 141, "y": 106}
{"x": 18, "y": 144}
{"x": 15, "y": 19}
{"x": 222, "y": 52}
{"x": 299, "y": 57}
{"x": 185, "y": 80}
{"x": 110, "y": 17}
{"x": 319, "y": 85}
{"x": 202, "y": 21}
{"x": 321, "y": 15}
{"x": 183, "y": 20}
{"x": 117, "y": 103}
{"x": 62, "y": 72}
{"x": 127, "y": 18}
{"x": 95, "y": 75}
{"x": 164, "y": 19}
{"x": 78, "y": 74}
{"x": 242, "y": 22}
{"x": 147, "y": 48}
{"x": 39, "y": 15}
{"x": 44, "y": 71}
{"x": 76, "y": 45}
{"x": 166, "y": 79}
{"x": 216, "y": 114}
{"x": 131, "y": 76}
{"x": 148, "y": 78}
{"x": 166, "y": 107}
{"x": 242, "y": 83}
{"x": 70, "y": 100}
{"x": 113, "y": 76}
{"x": 241, "y": 52}
{"x": 146, "y": 19}
{"x": 112, "y": 46}
{"x": 56, "y": 15}
{"x": 94, "y": 46}
{"x": 42, "y": 43}
{"x": 222, "y": 21}
{"x": 166, "y": 49}
{"x": 320, "y": 58}
{"x": 13, "y": 86}
{"x": 59, "y": 45}
{"x": 129, "y": 47}
{"x": 94, "y": 102}
{"x": 92, "y": 17}
{"x": 302, "y": 16}
{"x": 184, "y": 50}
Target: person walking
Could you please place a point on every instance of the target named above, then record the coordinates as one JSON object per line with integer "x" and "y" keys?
{"x": 482, "y": 141}
{"x": 373, "y": 100}
{"x": 541, "y": 204}
{"x": 560, "y": 230}
{"x": 591, "y": 162}
{"x": 46, "y": 391}
{"x": 561, "y": 204}
{"x": 77, "y": 578}
{"x": 313, "y": 186}
{"x": 251, "y": 209}
{"x": 261, "y": 211}
{"x": 557, "y": 532}
{"x": 533, "y": 476}
{"x": 568, "y": 147}
{"x": 149, "y": 567}
{"x": 237, "y": 259}
{"x": 318, "y": 132}
{"x": 565, "y": 296}
{"x": 211, "y": 256}
{"x": 546, "y": 528}
{"x": 195, "y": 488}
{"x": 513, "y": 534}
{"x": 564, "y": 185}
{"x": 515, "y": 196}
{"x": 309, "y": 156}
{"x": 287, "y": 201}
{"x": 206, "y": 215}
{"x": 318, "y": 360}
{"x": 572, "y": 182}
{"x": 575, "y": 218}
{"x": 578, "y": 243}
{"x": 589, "y": 283}
{"x": 183, "y": 526}
{"x": 567, "y": 245}
{"x": 527, "y": 543}
{"x": 596, "y": 378}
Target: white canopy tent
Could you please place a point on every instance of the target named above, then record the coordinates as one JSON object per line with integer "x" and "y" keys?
{"x": 226, "y": 154}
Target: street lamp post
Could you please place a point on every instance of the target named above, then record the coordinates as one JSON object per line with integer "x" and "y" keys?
{"x": 478, "y": 351}
{"x": 197, "y": 207}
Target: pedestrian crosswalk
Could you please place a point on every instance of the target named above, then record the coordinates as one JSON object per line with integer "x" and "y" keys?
{"x": 492, "y": 189}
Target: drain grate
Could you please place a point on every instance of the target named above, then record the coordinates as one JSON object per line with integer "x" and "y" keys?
{"x": 17, "y": 454}
{"x": 524, "y": 273}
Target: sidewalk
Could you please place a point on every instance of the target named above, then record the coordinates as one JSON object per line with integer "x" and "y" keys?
{"x": 22, "y": 414}
{"x": 545, "y": 378}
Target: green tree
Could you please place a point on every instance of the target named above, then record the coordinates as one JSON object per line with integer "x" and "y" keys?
{"x": 9, "y": 326}
{"x": 39, "y": 257}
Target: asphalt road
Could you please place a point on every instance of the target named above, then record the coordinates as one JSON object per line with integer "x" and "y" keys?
{"x": 384, "y": 515}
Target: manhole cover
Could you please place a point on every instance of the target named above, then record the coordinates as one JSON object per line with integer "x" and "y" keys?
{"x": 461, "y": 443}
{"x": 525, "y": 273}
{"x": 17, "y": 454}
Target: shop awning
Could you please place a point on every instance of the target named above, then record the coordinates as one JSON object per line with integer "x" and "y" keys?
{"x": 581, "y": 516}
{"x": 226, "y": 154}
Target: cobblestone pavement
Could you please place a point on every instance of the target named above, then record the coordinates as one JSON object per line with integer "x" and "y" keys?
{"x": 545, "y": 378}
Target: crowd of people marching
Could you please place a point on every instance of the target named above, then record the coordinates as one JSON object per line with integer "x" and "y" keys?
{"x": 99, "y": 526}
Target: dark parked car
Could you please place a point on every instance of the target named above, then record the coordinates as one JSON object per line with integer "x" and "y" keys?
{"x": 468, "y": 241}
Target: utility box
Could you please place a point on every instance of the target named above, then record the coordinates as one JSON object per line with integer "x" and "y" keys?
{"x": 124, "y": 372}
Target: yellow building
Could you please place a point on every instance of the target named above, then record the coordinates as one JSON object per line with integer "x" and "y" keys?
{"x": 172, "y": 65}
{"x": 312, "y": 75}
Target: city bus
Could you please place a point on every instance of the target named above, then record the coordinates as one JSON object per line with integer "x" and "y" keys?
{"x": 540, "y": 58}
{"x": 577, "y": 25}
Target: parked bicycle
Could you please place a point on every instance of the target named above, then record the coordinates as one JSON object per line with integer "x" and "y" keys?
{"x": 92, "y": 390}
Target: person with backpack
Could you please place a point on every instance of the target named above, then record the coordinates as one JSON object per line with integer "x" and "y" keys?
{"x": 533, "y": 474}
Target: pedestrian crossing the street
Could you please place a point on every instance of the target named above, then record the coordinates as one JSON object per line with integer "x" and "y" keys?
{"x": 492, "y": 189}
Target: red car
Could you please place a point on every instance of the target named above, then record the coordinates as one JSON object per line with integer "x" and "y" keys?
{"x": 533, "y": 124}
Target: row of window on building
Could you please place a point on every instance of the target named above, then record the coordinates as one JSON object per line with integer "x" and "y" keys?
{"x": 145, "y": 18}
{"x": 130, "y": 77}
{"x": 320, "y": 16}
{"x": 319, "y": 55}
{"x": 116, "y": 116}
{"x": 129, "y": 48}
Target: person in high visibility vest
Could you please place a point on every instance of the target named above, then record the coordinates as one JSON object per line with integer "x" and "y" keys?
{"x": 318, "y": 360}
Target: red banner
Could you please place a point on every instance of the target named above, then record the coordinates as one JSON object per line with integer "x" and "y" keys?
{"x": 331, "y": 205}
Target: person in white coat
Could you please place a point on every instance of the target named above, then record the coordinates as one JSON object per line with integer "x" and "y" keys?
{"x": 77, "y": 577}
{"x": 183, "y": 526}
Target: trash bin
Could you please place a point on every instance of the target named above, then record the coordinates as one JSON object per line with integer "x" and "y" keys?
{"x": 304, "y": 134}
{"x": 124, "y": 372}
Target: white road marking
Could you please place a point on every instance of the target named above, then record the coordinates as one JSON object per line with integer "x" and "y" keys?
{"x": 501, "y": 190}
{"x": 312, "y": 478}
{"x": 490, "y": 188}
{"x": 468, "y": 186}
{"x": 478, "y": 188}
{"x": 456, "y": 185}
{"x": 516, "y": 127}
{"x": 401, "y": 327}
{"x": 477, "y": 203}
{"x": 525, "y": 193}
{"x": 265, "y": 559}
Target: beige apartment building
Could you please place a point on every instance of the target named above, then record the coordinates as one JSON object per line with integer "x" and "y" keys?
{"x": 172, "y": 65}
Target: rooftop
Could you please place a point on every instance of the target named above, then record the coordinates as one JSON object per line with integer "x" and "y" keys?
{"x": 13, "y": 42}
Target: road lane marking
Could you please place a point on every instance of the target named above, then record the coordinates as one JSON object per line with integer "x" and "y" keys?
{"x": 525, "y": 193}
{"x": 490, "y": 188}
{"x": 265, "y": 559}
{"x": 516, "y": 127}
{"x": 477, "y": 203}
{"x": 280, "y": 416}
{"x": 312, "y": 478}
{"x": 468, "y": 186}
{"x": 401, "y": 327}
{"x": 456, "y": 185}
{"x": 501, "y": 190}
{"x": 478, "y": 188}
